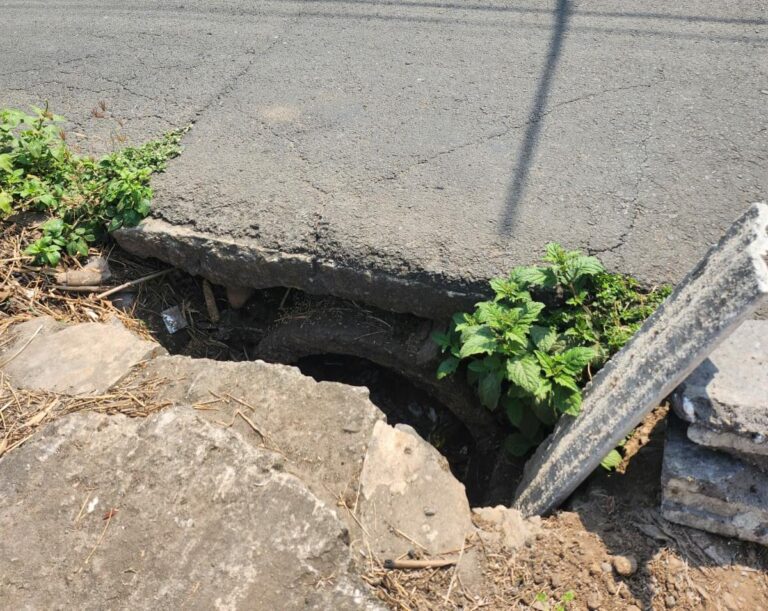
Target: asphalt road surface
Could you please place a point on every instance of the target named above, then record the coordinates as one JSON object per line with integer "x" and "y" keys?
{"x": 365, "y": 147}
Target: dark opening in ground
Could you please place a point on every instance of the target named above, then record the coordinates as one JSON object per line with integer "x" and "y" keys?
{"x": 237, "y": 335}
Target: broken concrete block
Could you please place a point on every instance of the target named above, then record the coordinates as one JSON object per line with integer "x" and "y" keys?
{"x": 322, "y": 428}
{"x": 729, "y": 283}
{"x": 72, "y": 359}
{"x": 711, "y": 490}
{"x": 506, "y": 526}
{"x": 726, "y": 398}
{"x": 166, "y": 512}
{"x": 408, "y": 494}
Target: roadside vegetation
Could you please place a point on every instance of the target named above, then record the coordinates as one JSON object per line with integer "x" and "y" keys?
{"x": 530, "y": 351}
{"x": 79, "y": 197}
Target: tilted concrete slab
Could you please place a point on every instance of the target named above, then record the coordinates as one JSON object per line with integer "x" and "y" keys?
{"x": 711, "y": 490}
{"x": 726, "y": 398}
{"x": 710, "y": 303}
{"x": 402, "y": 153}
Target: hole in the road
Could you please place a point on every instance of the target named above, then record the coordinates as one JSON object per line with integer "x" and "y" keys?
{"x": 317, "y": 334}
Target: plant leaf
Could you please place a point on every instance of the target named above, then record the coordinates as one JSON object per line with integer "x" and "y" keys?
{"x": 525, "y": 373}
{"x": 544, "y": 338}
{"x": 489, "y": 389}
{"x": 477, "y": 339}
{"x": 517, "y": 444}
{"x": 612, "y": 460}
{"x": 447, "y": 367}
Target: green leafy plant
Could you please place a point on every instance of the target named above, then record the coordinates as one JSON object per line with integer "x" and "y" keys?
{"x": 556, "y": 605}
{"x": 531, "y": 349}
{"x": 83, "y": 197}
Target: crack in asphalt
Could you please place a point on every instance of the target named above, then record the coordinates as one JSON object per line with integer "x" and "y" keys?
{"x": 534, "y": 118}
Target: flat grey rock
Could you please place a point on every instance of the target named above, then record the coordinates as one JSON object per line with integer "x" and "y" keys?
{"x": 86, "y": 358}
{"x": 403, "y": 153}
{"x": 407, "y": 490}
{"x": 200, "y": 519}
{"x": 726, "y": 398}
{"x": 322, "y": 428}
{"x": 711, "y": 490}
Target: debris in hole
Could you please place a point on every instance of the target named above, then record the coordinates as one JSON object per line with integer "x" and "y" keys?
{"x": 174, "y": 319}
{"x": 94, "y": 273}
{"x": 238, "y": 296}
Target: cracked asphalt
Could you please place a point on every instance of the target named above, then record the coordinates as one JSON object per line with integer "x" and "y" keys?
{"x": 403, "y": 152}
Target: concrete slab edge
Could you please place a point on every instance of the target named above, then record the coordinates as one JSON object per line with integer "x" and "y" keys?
{"x": 227, "y": 261}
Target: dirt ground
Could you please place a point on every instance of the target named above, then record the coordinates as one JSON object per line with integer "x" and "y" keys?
{"x": 612, "y": 515}
{"x": 569, "y": 565}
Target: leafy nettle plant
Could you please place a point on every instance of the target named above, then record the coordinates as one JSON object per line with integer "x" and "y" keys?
{"x": 530, "y": 351}
{"x": 83, "y": 197}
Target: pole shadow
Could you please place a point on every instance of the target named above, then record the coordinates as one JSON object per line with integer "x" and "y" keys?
{"x": 516, "y": 191}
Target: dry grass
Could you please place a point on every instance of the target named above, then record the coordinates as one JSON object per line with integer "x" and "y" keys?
{"x": 27, "y": 292}
{"x": 22, "y": 412}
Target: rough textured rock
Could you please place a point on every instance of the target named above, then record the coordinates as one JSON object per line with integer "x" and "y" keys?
{"x": 199, "y": 519}
{"x": 72, "y": 359}
{"x": 726, "y": 398}
{"x": 406, "y": 486}
{"x": 711, "y": 490}
{"x": 727, "y": 285}
{"x": 322, "y": 428}
{"x": 506, "y": 525}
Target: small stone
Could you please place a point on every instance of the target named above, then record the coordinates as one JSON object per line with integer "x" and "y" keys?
{"x": 556, "y": 581}
{"x": 670, "y": 601}
{"x": 625, "y": 565}
{"x": 538, "y": 579}
{"x": 605, "y": 567}
{"x": 595, "y": 569}
{"x": 429, "y": 511}
{"x": 594, "y": 601}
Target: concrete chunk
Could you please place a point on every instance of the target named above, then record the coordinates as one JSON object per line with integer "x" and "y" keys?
{"x": 726, "y": 398}
{"x": 727, "y": 285}
{"x": 167, "y": 512}
{"x": 407, "y": 490}
{"x": 72, "y": 359}
{"x": 712, "y": 491}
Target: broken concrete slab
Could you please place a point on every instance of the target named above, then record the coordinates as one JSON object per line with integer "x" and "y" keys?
{"x": 165, "y": 512}
{"x": 322, "y": 428}
{"x": 729, "y": 283}
{"x": 711, "y": 490}
{"x": 726, "y": 397}
{"x": 72, "y": 359}
{"x": 408, "y": 494}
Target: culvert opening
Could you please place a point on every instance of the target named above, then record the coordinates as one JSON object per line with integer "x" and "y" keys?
{"x": 333, "y": 339}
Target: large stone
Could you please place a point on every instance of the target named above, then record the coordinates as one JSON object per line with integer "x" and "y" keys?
{"x": 408, "y": 497}
{"x": 72, "y": 359}
{"x": 711, "y": 490}
{"x": 729, "y": 283}
{"x": 726, "y": 398}
{"x": 322, "y": 428}
{"x": 199, "y": 519}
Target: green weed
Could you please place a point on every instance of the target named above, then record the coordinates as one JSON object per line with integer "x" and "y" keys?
{"x": 531, "y": 349}
{"x": 556, "y": 605}
{"x": 84, "y": 198}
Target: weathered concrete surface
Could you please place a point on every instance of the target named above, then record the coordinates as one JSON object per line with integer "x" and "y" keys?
{"x": 726, "y": 398}
{"x": 201, "y": 519}
{"x": 403, "y": 152}
{"x": 711, "y": 490}
{"x": 74, "y": 359}
{"x": 322, "y": 428}
{"x": 727, "y": 285}
{"x": 406, "y": 486}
